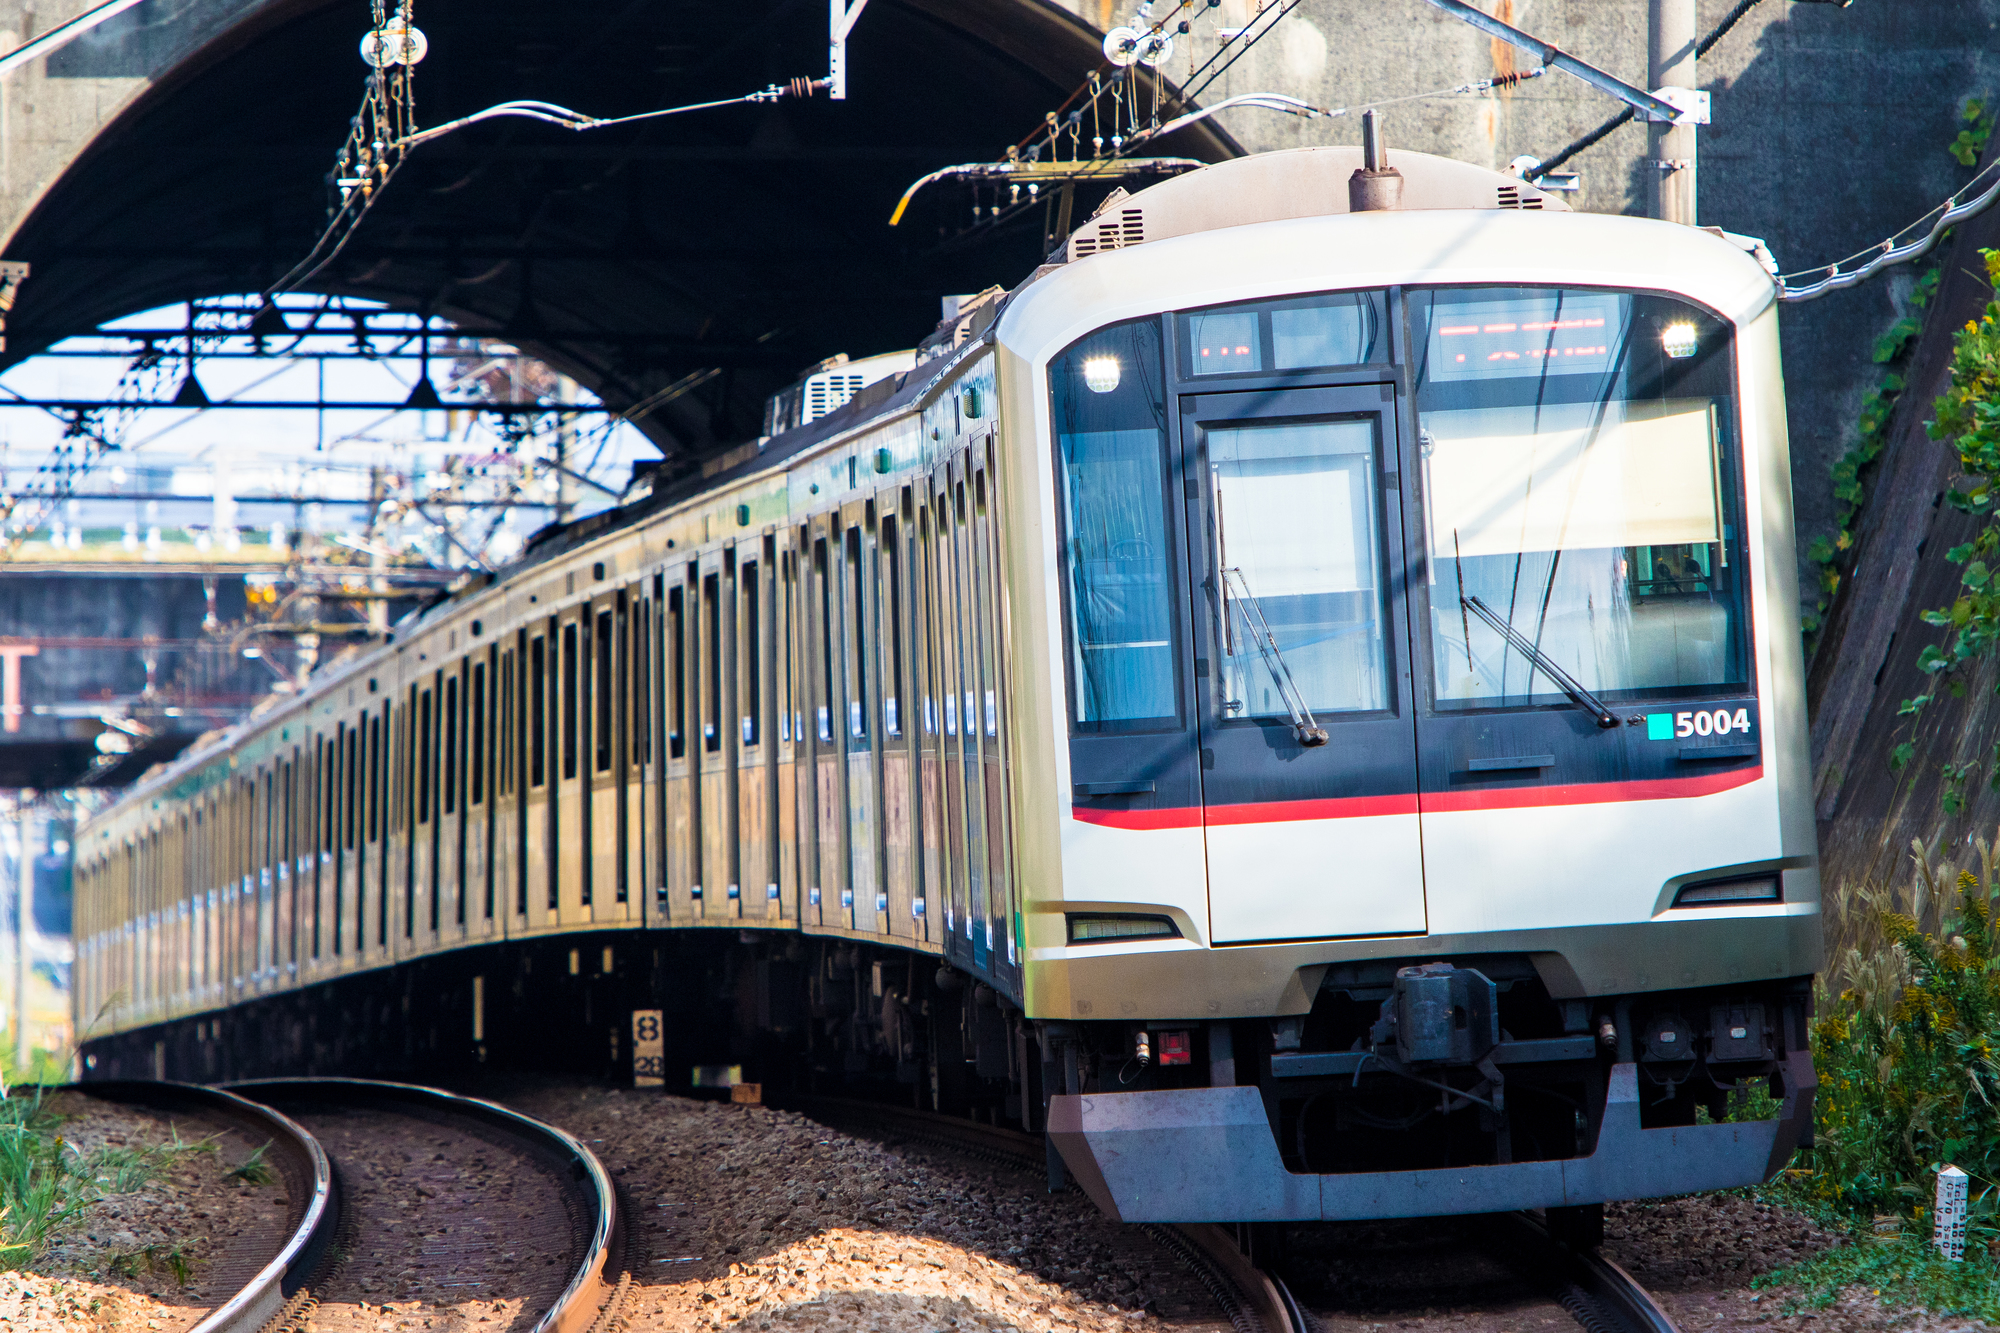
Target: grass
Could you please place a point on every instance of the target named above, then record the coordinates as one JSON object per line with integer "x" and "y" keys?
{"x": 47, "y": 1182}
{"x": 174, "y": 1259}
{"x": 254, "y": 1170}
{"x": 1905, "y": 1271}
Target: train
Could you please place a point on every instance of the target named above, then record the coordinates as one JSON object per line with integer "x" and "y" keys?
{"x": 1300, "y": 700}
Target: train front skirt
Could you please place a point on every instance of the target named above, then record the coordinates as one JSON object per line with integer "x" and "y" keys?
{"x": 1195, "y": 1155}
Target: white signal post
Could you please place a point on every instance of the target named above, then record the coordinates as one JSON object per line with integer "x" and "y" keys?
{"x": 1948, "y": 1221}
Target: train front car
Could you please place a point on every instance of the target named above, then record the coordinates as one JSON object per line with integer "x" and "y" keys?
{"x": 1414, "y": 597}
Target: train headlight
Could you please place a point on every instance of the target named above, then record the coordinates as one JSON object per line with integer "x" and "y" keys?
{"x": 1678, "y": 340}
{"x": 1101, "y": 373}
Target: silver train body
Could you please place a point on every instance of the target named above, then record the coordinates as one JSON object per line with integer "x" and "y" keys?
{"x": 1305, "y": 707}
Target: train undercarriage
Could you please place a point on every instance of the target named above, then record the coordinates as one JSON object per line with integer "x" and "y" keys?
{"x": 1410, "y": 1087}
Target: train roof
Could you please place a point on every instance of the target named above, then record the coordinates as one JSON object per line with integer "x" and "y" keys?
{"x": 1297, "y": 186}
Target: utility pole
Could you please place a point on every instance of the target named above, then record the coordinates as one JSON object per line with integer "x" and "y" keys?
{"x": 24, "y": 906}
{"x": 566, "y": 460}
{"x": 378, "y": 608}
{"x": 1670, "y": 152}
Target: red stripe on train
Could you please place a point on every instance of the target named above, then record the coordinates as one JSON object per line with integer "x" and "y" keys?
{"x": 1435, "y": 802}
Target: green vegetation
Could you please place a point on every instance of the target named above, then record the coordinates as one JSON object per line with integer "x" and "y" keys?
{"x": 1904, "y": 1271}
{"x": 254, "y": 1170}
{"x": 46, "y": 1182}
{"x": 1853, "y": 471}
{"x": 174, "y": 1259}
{"x": 1908, "y": 1066}
{"x": 1908, "y": 1055}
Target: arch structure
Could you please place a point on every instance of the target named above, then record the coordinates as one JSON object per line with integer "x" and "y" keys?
{"x": 694, "y": 263}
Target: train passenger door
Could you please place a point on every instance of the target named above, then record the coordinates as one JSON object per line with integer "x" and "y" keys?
{"x": 1307, "y": 730}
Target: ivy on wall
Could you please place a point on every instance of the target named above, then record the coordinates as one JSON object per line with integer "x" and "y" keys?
{"x": 1968, "y": 416}
{"x": 1833, "y": 557}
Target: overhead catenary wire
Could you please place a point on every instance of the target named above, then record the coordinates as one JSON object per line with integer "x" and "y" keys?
{"x": 1887, "y": 252}
{"x": 1597, "y": 136}
{"x": 1293, "y": 106}
{"x": 390, "y": 155}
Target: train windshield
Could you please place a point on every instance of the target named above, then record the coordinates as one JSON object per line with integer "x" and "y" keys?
{"x": 1111, "y": 435}
{"x": 1580, "y": 490}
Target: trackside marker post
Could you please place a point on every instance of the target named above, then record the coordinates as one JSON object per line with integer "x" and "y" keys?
{"x": 1948, "y": 1225}
{"x": 649, "y": 1044}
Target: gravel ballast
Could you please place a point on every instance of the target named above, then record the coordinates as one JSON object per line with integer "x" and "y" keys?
{"x": 761, "y": 1219}
{"x": 120, "y": 1265}
{"x": 753, "y": 1217}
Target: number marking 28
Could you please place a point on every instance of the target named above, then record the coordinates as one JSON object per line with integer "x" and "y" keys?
{"x": 1718, "y": 723}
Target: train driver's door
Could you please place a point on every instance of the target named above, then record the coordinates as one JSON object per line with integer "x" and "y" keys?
{"x": 1302, "y": 682}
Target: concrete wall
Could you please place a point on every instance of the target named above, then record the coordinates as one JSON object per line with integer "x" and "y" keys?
{"x": 1830, "y": 132}
{"x": 51, "y": 108}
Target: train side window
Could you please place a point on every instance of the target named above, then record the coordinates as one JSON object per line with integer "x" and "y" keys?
{"x": 374, "y": 778}
{"x": 1109, "y": 415}
{"x": 478, "y": 763}
{"x": 538, "y": 711}
{"x": 892, "y": 720}
{"x": 928, "y": 668}
{"x": 352, "y": 786}
{"x": 959, "y": 711}
{"x": 451, "y": 735}
{"x": 788, "y": 722}
{"x": 638, "y": 640}
{"x": 711, "y": 691}
{"x": 752, "y": 684}
{"x": 676, "y": 672}
{"x": 503, "y": 735}
{"x": 569, "y": 701}
{"x": 326, "y": 828}
{"x": 988, "y": 612}
{"x": 859, "y": 554}
{"x": 600, "y": 726}
{"x": 424, "y": 758}
{"x": 823, "y": 678}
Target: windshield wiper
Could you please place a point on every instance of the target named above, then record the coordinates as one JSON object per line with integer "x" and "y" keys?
{"x": 1304, "y": 726}
{"x": 1585, "y": 700}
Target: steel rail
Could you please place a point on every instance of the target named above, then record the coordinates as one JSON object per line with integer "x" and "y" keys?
{"x": 1582, "y": 1281}
{"x": 315, "y": 1210}
{"x": 589, "y": 1292}
{"x": 1253, "y": 1300}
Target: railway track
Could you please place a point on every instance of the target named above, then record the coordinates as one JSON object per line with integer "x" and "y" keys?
{"x": 1593, "y": 1290}
{"x": 312, "y": 1213}
{"x": 1254, "y": 1301}
{"x": 451, "y": 1199}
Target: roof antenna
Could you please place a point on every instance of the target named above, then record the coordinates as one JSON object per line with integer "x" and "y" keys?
{"x": 1377, "y": 185}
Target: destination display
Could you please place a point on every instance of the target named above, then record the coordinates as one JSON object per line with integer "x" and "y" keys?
{"x": 1563, "y": 334}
